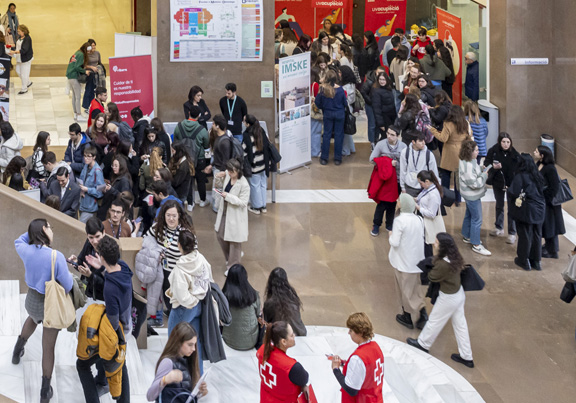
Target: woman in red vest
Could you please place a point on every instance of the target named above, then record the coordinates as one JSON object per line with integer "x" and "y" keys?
{"x": 282, "y": 377}
{"x": 363, "y": 373}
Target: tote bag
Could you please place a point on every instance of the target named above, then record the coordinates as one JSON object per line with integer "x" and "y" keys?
{"x": 471, "y": 280}
{"x": 59, "y": 312}
{"x": 433, "y": 226}
{"x": 564, "y": 193}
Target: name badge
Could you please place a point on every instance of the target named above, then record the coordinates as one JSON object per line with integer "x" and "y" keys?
{"x": 231, "y": 122}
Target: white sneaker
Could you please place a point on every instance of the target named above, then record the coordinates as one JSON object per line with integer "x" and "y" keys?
{"x": 203, "y": 203}
{"x": 190, "y": 207}
{"x": 226, "y": 272}
{"x": 80, "y": 118}
{"x": 481, "y": 250}
{"x": 465, "y": 240}
{"x": 511, "y": 239}
{"x": 496, "y": 232}
{"x": 254, "y": 211}
{"x": 263, "y": 210}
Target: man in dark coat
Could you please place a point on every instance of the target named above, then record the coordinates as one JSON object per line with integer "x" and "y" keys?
{"x": 472, "y": 85}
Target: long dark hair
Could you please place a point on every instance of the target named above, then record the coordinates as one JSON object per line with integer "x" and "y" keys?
{"x": 17, "y": 182}
{"x": 36, "y": 234}
{"x": 457, "y": 117}
{"x": 256, "y": 131}
{"x": 505, "y": 135}
{"x": 41, "y": 139}
{"x": 442, "y": 97}
{"x": 193, "y": 91}
{"x": 412, "y": 104}
{"x": 278, "y": 288}
{"x": 122, "y": 171}
{"x": 114, "y": 113}
{"x": 237, "y": 288}
{"x": 179, "y": 152}
{"x": 446, "y": 58}
{"x": 181, "y": 333}
{"x": 388, "y": 85}
{"x": 447, "y": 248}
{"x": 348, "y": 76}
{"x": 370, "y": 40}
{"x": 160, "y": 222}
{"x": 526, "y": 164}
{"x": 14, "y": 166}
{"x": 547, "y": 156}
{"x": 432, "y": 53}
{"x": 431, "y": 176}
{"x": 275, "y": 332}
{"x": 305, "y": 42}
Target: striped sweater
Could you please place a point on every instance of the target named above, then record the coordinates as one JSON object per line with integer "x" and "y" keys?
{"x": 169, "y": 245}
{"x": 472, "y": 180}
{"x": 480, "y": 132}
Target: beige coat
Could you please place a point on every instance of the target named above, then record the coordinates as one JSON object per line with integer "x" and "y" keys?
{"x": 452, "y": 143}
{"x": 236, "y": 225}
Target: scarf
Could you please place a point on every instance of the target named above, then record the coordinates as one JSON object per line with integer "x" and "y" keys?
{"x": 13, "y": 24}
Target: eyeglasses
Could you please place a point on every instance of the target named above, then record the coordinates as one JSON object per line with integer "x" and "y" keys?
{"x": 88, "y": 156}
{"x": 116, "y": 211}
{"x": 172, "y": 216}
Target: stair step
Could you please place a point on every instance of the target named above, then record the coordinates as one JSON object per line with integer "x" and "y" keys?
{"x": 10, "y": 308}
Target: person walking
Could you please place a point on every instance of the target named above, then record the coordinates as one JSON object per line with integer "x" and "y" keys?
{"x": 448, "y": 264}
{"x": 24, "y": 55}
{"x": 41, "y": 262}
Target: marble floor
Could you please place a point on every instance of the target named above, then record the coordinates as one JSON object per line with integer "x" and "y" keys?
{"x": 522, "y": 334}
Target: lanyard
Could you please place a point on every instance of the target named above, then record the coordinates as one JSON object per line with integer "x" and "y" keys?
{"x": 167, "y": 241}
{"x": 117, "y": 236}
{"x": 233, "y": 104}
{"x": 417, "y": 160}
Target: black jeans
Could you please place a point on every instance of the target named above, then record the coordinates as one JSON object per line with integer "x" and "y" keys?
{"x": 529, "y": 242}
{"x": 551, "y": 245}
{"x": 445, "y": 181}
{"x": 200, "y": 177}
{"x": 165, "y": 286}
{"x": 89, "y": 382}
{"x": 390, "y": 209}
{"x": 499, "y": 223}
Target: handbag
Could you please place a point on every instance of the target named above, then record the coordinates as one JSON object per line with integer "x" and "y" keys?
{"x": 59, "y": 312}
{"x": 449, "y": 197}
{"x": 275, "y": 156}
{"x": 82, "y": 77}
{"x": 471, "y": 280}
{"x": 568, "y": 293}
{"x": 349, "y": 122}
{"x": 564, "y": 193}
{"x": 433, "y": 226}
{"x": 569, "y": 273}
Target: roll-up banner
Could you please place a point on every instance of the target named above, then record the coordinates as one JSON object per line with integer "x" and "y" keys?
{"x": 5, "y": 88}
{"x": 450, "y": 31}
{"x": 131, "y": 85}
{"x": 294, "y": 111}
{"x": 383, "y": 16}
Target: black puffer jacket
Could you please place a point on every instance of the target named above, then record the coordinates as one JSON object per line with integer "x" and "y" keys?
{"x": 366, "y": 87}
{"x": 428, "y": 95}
{"x": 383, "y": 106}
{"x": 533, "y": 208}
{"x": 439, "y": 114}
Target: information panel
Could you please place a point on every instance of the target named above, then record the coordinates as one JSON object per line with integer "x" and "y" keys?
{"x": 216, "y": 30}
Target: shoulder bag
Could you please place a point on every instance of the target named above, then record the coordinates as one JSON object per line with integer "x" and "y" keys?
{"x": 564, "y": 193}
{"x": 433, "y": 226}
{"x": 59, "y": 312}
{"x": 471, "y": 280}
{"x": 569, "y": 273}
{"x": 349, "y": 122}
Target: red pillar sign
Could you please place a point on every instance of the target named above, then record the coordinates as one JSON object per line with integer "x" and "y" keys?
{"x": 450, "y": 31}
{"x": 131, "y": 84}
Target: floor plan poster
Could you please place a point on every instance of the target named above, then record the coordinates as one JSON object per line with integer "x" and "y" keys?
{"x": 216, "y": 30}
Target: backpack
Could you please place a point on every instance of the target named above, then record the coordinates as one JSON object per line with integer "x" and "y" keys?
{"x": 422, "y": 123}
{"x": 238, "y": 153}
{"x": 428, "y": 152}
{"x": 124, "y": 132}
{"x": 189, "y": 141}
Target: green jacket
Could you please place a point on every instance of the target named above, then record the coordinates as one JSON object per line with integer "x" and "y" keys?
{"x": 75, "y": 65}
{"x": 202, "y": 140}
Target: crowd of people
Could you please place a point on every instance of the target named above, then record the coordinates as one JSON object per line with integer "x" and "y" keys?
{"x": 136, "y": 181}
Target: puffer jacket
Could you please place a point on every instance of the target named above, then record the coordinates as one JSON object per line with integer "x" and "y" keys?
{"x": 189, "y": 281}
{"x": 148, "y": 268}
{"x": 9, "y": 149}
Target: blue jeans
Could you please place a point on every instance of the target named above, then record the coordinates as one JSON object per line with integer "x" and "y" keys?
{"x": 316, "y": 134}
{"x": 348, "y": 145}
{"x": 371, "y": 122}
{"x": 333, "y": 124}
{"x": 258, "y": 183}
{"x": 472, "y": 221}
{"x": 238, "y": 137}
{"x": 191, "y": 316}
{"x": 397, "y": 100}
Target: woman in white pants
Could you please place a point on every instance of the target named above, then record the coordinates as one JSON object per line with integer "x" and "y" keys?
{"x": 448, "y": 264}
{"x": 24, "y": 56}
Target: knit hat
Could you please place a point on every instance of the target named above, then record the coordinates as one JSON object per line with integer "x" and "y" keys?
{"x": 407, "y": 203}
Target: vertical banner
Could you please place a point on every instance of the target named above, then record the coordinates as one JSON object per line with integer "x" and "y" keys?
{"x": 306, "y": 16}
{"x": 294, "y": 111}
{"x": 131, "y": 82}
{"x": 383, "y": 16}
{"x": 5, "y": 88}
{"x": 450, "y": 31}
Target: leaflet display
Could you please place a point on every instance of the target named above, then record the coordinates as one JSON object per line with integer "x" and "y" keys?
{"x": 216, "y": 30}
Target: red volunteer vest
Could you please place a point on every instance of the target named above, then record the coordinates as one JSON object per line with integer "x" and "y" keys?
{"x": 93, "y": 106}
{"x": 275, "y": 386}
{"x": 373, "y": 359}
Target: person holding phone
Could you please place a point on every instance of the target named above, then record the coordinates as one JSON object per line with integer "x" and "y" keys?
{"x": 472, "y": 180}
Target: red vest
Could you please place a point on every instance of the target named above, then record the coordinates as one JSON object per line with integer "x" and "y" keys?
{"x": 373, "y": 359}
{"x": 93, "y": 106}
{"x": 275, "y": 386}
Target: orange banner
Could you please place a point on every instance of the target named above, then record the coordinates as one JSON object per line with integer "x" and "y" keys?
{"x": 450, "y": 31}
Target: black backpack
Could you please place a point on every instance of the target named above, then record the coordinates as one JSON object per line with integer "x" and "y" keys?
{"x": 428, "y": 152}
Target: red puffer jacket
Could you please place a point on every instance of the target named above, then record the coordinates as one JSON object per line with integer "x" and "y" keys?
{"x": 383, "y": 185}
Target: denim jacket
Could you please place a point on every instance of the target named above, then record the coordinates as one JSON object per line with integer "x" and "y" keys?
{"x": 92, "y": 179}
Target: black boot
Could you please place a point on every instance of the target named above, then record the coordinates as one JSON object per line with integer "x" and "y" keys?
{"x": 423, "y": 319}
{"x": 46, "y": 392}
{"x": 18, "y": 350}
{"x": 405, "y": 320}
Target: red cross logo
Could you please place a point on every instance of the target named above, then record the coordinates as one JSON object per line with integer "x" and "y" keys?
{"x": 267, "y": 375}
{"x": 379, "y": 372}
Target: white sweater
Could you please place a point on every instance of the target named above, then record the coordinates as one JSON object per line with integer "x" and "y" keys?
{"x": 407, "y": 243}
{"x": 189, "y": 281}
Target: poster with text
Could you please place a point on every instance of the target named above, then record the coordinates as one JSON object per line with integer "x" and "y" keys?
{"x": 304, "y": 18}
{"x": 216, "y": 30}
{"x": 131, "y": 85}
{"x": 383, "y": 16}
{"x": 450, "y": 31}
{"x": 294, "y": 110}
{"x": 5, "y": 88}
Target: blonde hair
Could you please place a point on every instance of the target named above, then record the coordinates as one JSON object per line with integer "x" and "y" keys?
{"x": 328, "y": 85}
{"x": 472, "y": 110}
{"x": 156, "y": 160}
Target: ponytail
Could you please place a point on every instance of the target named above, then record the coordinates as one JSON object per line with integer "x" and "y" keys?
{"x": 431, "y": 176}
{"x": 256, "y": 131}
{"x": 274, "y": 333}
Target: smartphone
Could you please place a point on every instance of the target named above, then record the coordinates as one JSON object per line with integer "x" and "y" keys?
{"x": 218, "y": 191}
{"x": 495, "y": 162}
{"x": 138, "y": 220}
{"x": 488, "y": 168}
{"x": 73, "y": 263}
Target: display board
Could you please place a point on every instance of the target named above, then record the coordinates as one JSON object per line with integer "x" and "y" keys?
{"x": 294, "y": 111}
{"x": 383, "y": 16}
{"x": 5, "y": 64}
{"x": 216, "y": 30}
{"x": 132, "y": 45}
{"x": 450, "y": 31}
{"x": 305, "y": 18}
{"x": 131, "y": 84}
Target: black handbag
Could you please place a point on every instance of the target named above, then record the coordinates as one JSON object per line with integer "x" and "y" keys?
{"x": 564, "y": 193}
{"x": 449, "y": 197}
{"x": 349, "y": 122}
{"x": 82, "y": 77}
{"x": 471, "y": 280}
{"x": 275, "y": 156}
{"x": 568, "y": 293}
